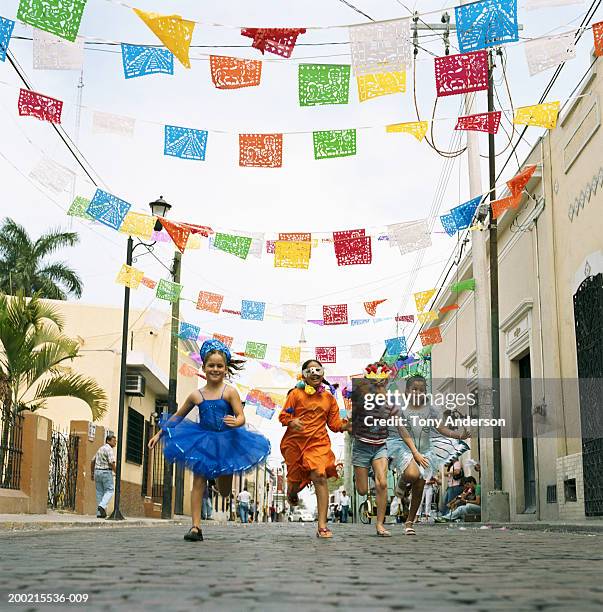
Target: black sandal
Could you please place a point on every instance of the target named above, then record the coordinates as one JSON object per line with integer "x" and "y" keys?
{"x": 194, "y": 534}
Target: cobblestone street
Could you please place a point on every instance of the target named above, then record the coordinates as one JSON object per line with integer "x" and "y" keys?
{"x": 282, "y": 567}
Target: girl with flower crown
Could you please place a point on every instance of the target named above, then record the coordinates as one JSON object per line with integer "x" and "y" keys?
{"x": 306, "y": 446}
{"x": 216, "y": 445}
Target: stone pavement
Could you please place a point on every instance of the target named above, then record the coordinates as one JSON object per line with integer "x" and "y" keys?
{"x": 280, "y": 567}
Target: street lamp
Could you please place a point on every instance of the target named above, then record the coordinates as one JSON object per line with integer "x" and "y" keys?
{"x": 158, "y": 208}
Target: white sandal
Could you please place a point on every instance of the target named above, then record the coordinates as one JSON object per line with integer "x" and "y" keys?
{"x": 409, "y": 529}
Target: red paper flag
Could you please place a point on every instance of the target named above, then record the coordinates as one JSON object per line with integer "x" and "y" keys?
{"x": 326, "y": 354}
{"x": 204, "y": 230}
{"x": 353, "y": 252}
{"x": 430, "y": 336}
{"x": 188, "y": 370}
{"x": 348, "y": 234}
{"x": 227, "y": 340}
{"x": 335, "y": 315}
{"x": 461, "y": 73}
{"x": 178, "y": 232}
{"x": 499, "y": 206}
{"x": 261, "y": 150}
{"x": 598, "y": 36}
{"x": 519, "y": 181}
{"x": 405, "y": 318}
{"x": 482, "y": 122}
{"x": 279, "y": 41}
{"x": 228, "y": 311}
{"x": 449, "y": 308}
{"x": 233, "y": 73}
{"x": 148, "y": 282}
{"x": 212, "y": 302}
{"x": 371, "y": 307}
{"x": 37, "y": 105}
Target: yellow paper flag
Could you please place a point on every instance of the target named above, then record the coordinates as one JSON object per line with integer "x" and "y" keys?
{"x": 422, "y": 298}
{"x": 417, "y": 128}
{"x": 129, "y": 276}
{"x": 173, "y": 31}
{"x": 138, "y": 224}
{"x": 380, "y": 84}
{"x": 290, "y": 354}
{"x": 292, "y": 254}
{"x": 425, "y": 317}
{"x": 540, "y": 115}
{"x": 194, "y": 241}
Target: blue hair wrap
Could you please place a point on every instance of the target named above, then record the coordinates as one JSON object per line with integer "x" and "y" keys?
{"x": 214, "y": 345}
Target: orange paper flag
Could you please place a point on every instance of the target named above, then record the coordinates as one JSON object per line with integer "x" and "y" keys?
{"x": 519, "y": 181}
{"x": 598, "y": 38}
{"x": 499, "y": 206}
{"x": 430, "y": 336}
{"x": 371, "y": 307}
{"x": 179, "y": 233}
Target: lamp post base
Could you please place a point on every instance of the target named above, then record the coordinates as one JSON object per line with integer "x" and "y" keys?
{"x": 116, "y": 515}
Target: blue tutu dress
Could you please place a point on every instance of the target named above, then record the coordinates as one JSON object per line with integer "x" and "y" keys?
{"x": 210, "y": 447}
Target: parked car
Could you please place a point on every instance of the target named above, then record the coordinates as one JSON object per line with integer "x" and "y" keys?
{"x": 301, "y": 516}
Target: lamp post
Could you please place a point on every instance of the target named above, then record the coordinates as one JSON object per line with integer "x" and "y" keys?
{"x": 159, "y": 208}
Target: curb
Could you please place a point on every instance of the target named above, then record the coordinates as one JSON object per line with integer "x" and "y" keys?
{"x": 595, "y": 528}
{"x": 8, "y": 526}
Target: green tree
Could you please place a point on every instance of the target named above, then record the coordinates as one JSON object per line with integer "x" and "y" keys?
{"x": 24, "y": 264}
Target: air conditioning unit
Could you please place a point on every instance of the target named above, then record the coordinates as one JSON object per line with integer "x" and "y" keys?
{"x": 135, "y": 384}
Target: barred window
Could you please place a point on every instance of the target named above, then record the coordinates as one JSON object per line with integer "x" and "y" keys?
{"x": 135, "y": 436}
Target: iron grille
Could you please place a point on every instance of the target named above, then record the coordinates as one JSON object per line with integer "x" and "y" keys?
{"x": 62, "y": 472}
{"x": 134, "y": 436}
{"x": 551, "y": 494}
{"x": 11, "y": 450}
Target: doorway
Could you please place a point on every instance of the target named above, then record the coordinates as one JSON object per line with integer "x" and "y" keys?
{"x": 527, "y": 434}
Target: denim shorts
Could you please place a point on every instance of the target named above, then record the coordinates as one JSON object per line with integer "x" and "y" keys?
{"x": 363, "y": 454}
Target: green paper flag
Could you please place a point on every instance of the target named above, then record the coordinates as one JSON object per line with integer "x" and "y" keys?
{"x": 466, "y": 285}
{"x": 426, "y": 350}
{"x": 167, "y": 290}
{"x": 334, "y": 143}
{"x": 235, "y": 245}
{"x": 323, "y": 84}
{"x": 78, "y": 208}
{"x": 59, "y": 17}
{"x": 257, "y": 350}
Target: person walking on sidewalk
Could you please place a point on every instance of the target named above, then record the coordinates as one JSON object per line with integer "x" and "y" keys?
{"x": 344, "y": 502}
{"x": 102, "y": 468}
{"x": 243, "y": 498}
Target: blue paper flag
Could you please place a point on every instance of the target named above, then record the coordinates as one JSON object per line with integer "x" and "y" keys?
{"x": 396, "y": 346}
{"x": 359, "y": 321}
{"x": 463, "y": 213}
{"x": 188, "y": 331}
{"x": 486, "y": 24}
{"x": 186, "y": 143}
{"x": 107, "y": 209}
{"x": 6, "y": 30}
{"x": 139, "y": 60}
{"x": 252, "y": 310}
{"x": 448, "y": 223}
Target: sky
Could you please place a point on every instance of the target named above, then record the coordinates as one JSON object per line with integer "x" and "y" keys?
{"x": 393, "y": 178}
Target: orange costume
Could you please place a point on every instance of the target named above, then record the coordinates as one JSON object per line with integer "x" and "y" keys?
{"x": 310, "y": 449}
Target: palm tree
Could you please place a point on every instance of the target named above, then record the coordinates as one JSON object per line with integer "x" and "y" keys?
{"x": 23, "y": 266}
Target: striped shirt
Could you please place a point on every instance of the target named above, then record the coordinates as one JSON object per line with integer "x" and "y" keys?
{"x": 104, "y": 458}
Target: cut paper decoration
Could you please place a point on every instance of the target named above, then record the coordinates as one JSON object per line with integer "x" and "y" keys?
{"x": 294, "y": 313}
{"x": 326, "y": 354}
{"x": 37, "y": 105}
{"x": 178, "y": 232}
{"x": 466, "y": 285}
{"x": 78, "y": 208}
{"x": 227, "y": 340}
{"x": 334, "y": 143}
{"x": 185, "y": 143}
{"x": 422, "y": 299}
{"x": 335, "y": 315}
{"x": 59, "y": 17}
{"x": 235, "y": 245}
{"x": 212, "y": 302}
{"x": 279, "y": 41}
{"x": 138, "y": 224}
{"x": 234, "y": 312}
{"x": 106, "y": 123}
{"x": 549, "y": 51}
{"x": 518, "y": 182}
{"x": 380, "y": 84}
{"x": 353, "y": 251}
{"x": 499, "y": 206}
{"x": 6, "y": 31}
{"x": 53, "y": 53}
{"x": 323, "y": 84}
{"x": 426, "y": 317}
{"x": 140, "y": 60}
{"x": 449, "y": 308}
{"x": 188, "y": 370}
{"x": 410, "y": 236}
{"x": 598, "y": 38}
{"x": 255, "y": 350}
{"x": 234, "y": 73}
{"x": 108, "y": 209}
{"x": 405, "y": 318}
{"x": 380, "y": 47}
{"x": 360, "y": 351}
{"x": 316, "y": 322}
{"x": 257, "y": 244}
{"x": 167, "y": 290}
{"x": 347, "y": 234}
{"x": 188, "y": 331}
{"x": 462, "y": 215}
{"x": 485, "y": 24}
{"x": 461, "y": 73}
{"x": 160, "y": 236}
{"x": 371, "y": 307}
{"x": 263, "y": 411}
{"x": 148, "y": 282}
{"x": 482, "y": 122}
{"x": 290, "y": 354}
{"x": 253, "y": 310}
{"x": 418, "y": 129}
{"x": 448, "y": 224}
{"x": 270, "y": 246}
{"x": 261, "y": 150}
{"x": 295, "y": 236}
{"x": 53, "y": 176}
{"x": 129, "y": 277}
{"x": 173, "y": 31}
{"x": 540, "y": 115}
{"x": 292, "y": 254}
{"x": 359, "y": 321}
{"x": 430, "y": 336}
{"x": 396, "y": 346}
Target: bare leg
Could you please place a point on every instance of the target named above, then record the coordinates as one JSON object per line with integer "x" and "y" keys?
{"x": 322, "y": 498}
{"x": 413, "y": 475}
{"x": 224, "y": 485}
{"x": 380, "y": 469}
{"x": 361, "y": 478}
{"x": 196, "y": 498}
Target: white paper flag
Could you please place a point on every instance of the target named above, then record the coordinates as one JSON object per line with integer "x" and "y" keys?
{"x": 53, "y": 176}
{"x": 410, "y": 236}
{"x": 53, "y": 53}
{"x": 106, "y": 123}
{"x": 156, "y": 319}
{"x": 361, "y": 351}
{"x": 294, "y": 313}
{"x": 380, "y": 47}
{"x": 532, "y": 5}
{"x": 544, "y": 53}
{"x": 256, "y": 249}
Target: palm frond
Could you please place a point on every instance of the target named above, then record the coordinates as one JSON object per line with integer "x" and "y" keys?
{"x": 52, "y": 241}
{"x": 60, "y": 274}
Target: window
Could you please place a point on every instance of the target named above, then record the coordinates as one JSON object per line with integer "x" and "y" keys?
{"x": 135, "y": 437}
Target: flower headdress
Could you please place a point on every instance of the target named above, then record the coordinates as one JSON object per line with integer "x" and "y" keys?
{"x": 214, "y": 345}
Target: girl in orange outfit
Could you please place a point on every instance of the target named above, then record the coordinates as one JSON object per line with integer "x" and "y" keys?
{"x": 306, "y": 446}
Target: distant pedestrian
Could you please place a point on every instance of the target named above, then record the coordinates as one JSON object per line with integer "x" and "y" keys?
{"x": 244, "y": 498}
{"x": 252, "y": 511}
{"x": 272, "y": 514}
{"x": 206, "y": 509}
{"x": 102, "y": 470}
{"x": 344, "y": 502}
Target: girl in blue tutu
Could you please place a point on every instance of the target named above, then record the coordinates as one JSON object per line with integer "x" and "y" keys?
{"x": 217, "y": 446}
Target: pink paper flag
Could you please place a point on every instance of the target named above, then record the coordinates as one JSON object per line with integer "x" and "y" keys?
{"x": 326, "y": 354}
{"x": 482, "y": 122}
{"x": 461, "y": 73}
{"x": 38, "y": 105}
